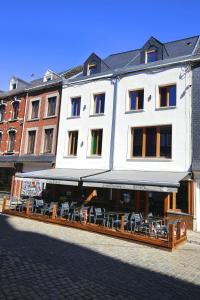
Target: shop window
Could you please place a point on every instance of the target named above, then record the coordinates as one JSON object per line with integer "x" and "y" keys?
{"x": 99, "y": 103}
{"x": 167, "y": 96}
{"x": 48, "y": 140}
{"x": 75, "y": 107}
{"x": 51, "y": 108}
{"x": 11, "y": 141}
{"x": 73, "y": 143}
{"x": 31, "y": 141}
{"x": 96, "y": 142}
{"x": 35, "y": 109}
{"x": 136, "y": 100}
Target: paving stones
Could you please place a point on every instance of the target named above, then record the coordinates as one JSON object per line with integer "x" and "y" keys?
{"x": 45, "y": 261}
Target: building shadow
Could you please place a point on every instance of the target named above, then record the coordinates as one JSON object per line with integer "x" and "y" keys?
{"x": 35, "y": 266}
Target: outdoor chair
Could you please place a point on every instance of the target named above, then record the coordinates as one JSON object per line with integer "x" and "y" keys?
{"x": 64, "y": 212}
{"x": 78, "y": 214}
{"x": 13, "y": 203}
{"x": 117, "y": 222}
{"x": 91, "y": 214}
{"x": 137, "y": 222}
{"x": 99, "y": 216}
{"x": 49, "y": 209}
{"x": 39, "y": 206}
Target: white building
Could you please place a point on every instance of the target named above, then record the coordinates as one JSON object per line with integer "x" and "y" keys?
{"x": 126, "y": 129}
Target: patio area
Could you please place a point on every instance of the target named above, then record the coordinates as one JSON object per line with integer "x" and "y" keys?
{"x": 126, "y": 224}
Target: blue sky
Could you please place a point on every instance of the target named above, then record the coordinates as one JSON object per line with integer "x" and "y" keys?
{"x": 39, "y": 34}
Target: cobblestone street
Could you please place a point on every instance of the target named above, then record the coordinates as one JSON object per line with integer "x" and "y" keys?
{"x": 44, "y": 261}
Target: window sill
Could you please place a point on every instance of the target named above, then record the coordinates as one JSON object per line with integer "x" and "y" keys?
{"x": 49, "y": 117}
{"x": 32, "y": 120}
{"x": 165, "y": 108}
{"x": 13, "y": 120}
{"x": 97, "y": 115}
{"x": 134, "y": 111}
{"x": 70, "y": 156}
{"x": 94, "y": 156}
{"x": 151, "y": 159}
{"x": 73, "y": 117}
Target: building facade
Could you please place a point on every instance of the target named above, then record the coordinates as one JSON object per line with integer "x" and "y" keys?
{"x": 127, "y": 126}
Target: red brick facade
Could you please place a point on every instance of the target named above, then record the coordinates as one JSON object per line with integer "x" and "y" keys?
{"x": 12, "y": 124}
{"x": 42, "y": 122}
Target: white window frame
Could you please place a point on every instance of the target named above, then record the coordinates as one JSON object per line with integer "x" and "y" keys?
{"x": 46, "y": 105}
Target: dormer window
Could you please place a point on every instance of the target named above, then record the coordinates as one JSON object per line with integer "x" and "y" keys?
{"x": 92, "y": 68}
{"x": 151, "y": 55}
{"x": 14, "y": 86}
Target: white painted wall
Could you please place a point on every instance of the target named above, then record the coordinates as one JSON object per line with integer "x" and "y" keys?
{"x": 84, "y": 124}
{"x": 179, "y": 117}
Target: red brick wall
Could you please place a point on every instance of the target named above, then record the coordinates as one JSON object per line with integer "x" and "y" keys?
{"x": 8, "y": 123}
{"x": 42, "y": 121}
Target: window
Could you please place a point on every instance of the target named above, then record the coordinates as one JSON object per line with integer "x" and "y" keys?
{"x": 48, "y": 140}
{"x": 152, "y": 142}
{"x": 1, "y": 137}
{"x": 136, "y": 100}
{"x": 166, "y": 142}
{"x": 99, "y": 103}
{"x": 137, "y": 149}
{"x": 35, "y": 109}
{"x": 92, "y": 68}
{"x": 15, "y": 110}
{"x": 167, "y": 96}
{"x": 76, "y": 106}
{"x": 151, "y": 56}
{"x": 14, "y": 86}
{"x": 11, "y": 141}
{"x": 73, "y": 143}
{"x": 51, "y": 109}
{"x": 2, "y": 112}
{"x": 31, "y": 141}
{"x": 96, "y": 143}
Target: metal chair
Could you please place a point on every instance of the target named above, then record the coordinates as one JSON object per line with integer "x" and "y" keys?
{"x": 64, "y": 212}
{"x": 99, "y": 216}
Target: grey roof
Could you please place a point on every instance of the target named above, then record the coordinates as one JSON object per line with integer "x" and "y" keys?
{"x": 173, "y": 49}
{"x": 131, "y": 60}
{"x": 60, "y": 174}
{"x": 37, "y": 158}
{"x": 8, "y": 158}
{"x": 29, "y": 158}
{"x": 153, "y": 178}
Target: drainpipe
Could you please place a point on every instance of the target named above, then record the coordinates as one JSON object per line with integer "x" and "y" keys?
{"x": 113, "y": 127}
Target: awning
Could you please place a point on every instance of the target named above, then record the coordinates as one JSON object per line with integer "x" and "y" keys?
{"x": 137, "y": 180}
{"x": 58, "y": 176}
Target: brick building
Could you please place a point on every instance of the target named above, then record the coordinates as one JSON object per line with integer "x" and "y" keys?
{"x": 29, "y": 127}
{"x": 12, "y": 107}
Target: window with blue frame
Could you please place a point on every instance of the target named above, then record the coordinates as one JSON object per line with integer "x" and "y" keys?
{"x": 167, "y": 96}
{"x": 99, "y": 104}
{"x": 136, "y": 99}
{"x": 76, "y": 107}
